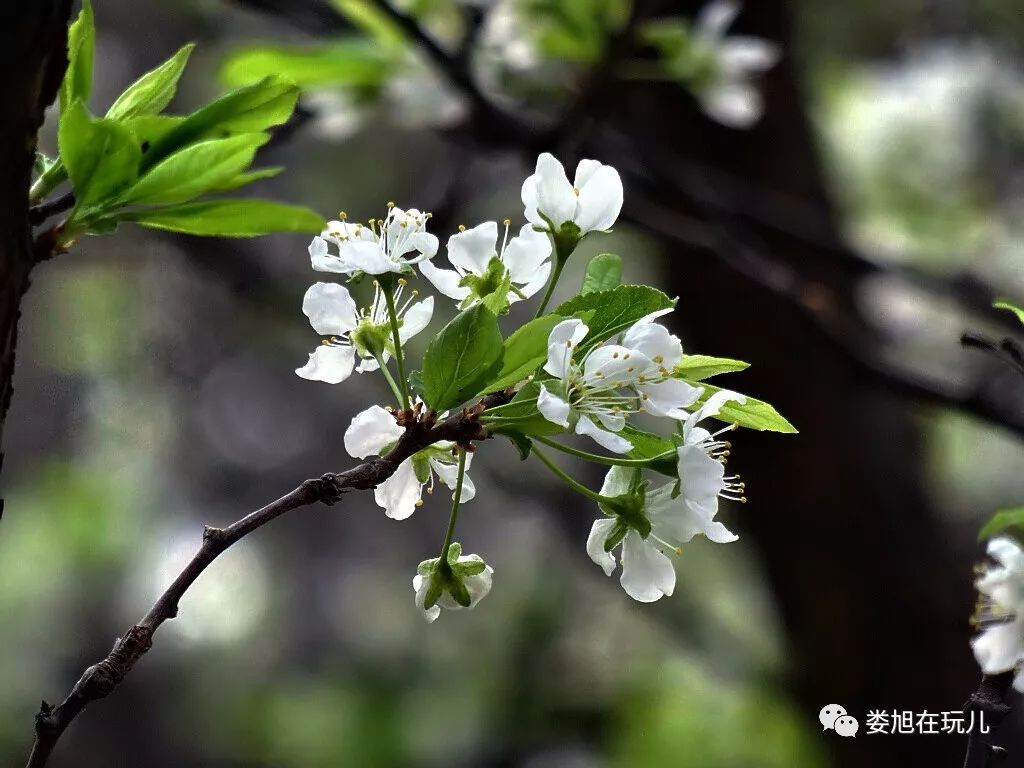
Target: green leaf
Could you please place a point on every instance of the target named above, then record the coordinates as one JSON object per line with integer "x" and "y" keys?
{"x": 615, "y": 310}
{"x": 700, "y": 367}
{"x": 459, "y": 360}
{"x": 525, "y": 351}
{"x": 248, "y": 177}
{"x": 1004, "y": 304}
{"x": 604, "y": 272}
{"x": 355, "y": 62}
{"x": 196, "y": 169}
{"x": 77, "y": 82}
{"x": 660, "y": 451}
{"x": 148, "y": 129}
{"x": 154, "y": 90}
{"x": 101, "y": 157}
{"x": 753, "y": 414}
{"x": 1005, "y": 521}
{"x": 229, "y": 218}
{"x": 251, "y": 109}
{"x": 522, "y": 443}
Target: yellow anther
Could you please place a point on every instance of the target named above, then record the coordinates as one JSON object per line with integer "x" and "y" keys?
{"x": 462, "y": 227}
{"x": 391, "y": 204}
{"x": 507, "y": 222}
{"x": 630, "y": 369}
{"x": 615, "y": 354}
{"x": 576, "y": 191}
{"x": 402, "y": 281}
{"x": 419, "y": 502}
{"x": 342, "y": 215}
{"x": 626, "y": 356}
{"x": 659, "y": 359}
{"x": 644, "y": 396}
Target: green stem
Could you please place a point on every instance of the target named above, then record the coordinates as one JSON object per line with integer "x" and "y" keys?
{"x": 456, "y": 500}
{"x": 47, "y": 182}
{"x": 555, "y": 274}
{"x": 387, "y": 287}
{"x": 390, "y": 379}
{"x": 611, "y": 461}
{"x": 570, "y": 481}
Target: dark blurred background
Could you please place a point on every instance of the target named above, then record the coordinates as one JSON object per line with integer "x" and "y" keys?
{"x": 841, "y": 246}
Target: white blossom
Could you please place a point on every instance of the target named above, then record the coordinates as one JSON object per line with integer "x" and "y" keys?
{"x": 482, "y": 262}
{"x": 391, "y": 244}
{"x": 373, "y": 432}
{"x": 728, "y": 93}
{"x": 612, "y": 381}
{"x": 1000, "y": 646}
{"x": 647, "y": 569}
{"x": 333, "y": 313}
{"x": 591, "y": 202}
{"x": 476, "y": 576}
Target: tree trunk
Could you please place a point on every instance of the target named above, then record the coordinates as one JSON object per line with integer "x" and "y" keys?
{"x": 33, "y": 56}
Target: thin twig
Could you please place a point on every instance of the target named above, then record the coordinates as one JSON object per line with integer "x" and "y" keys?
{"x": 43, "y": 211}
{"x": 990, "y": 701}
{"x": 99, "y": 680}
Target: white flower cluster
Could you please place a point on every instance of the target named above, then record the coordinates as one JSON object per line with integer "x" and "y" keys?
{"x": 589, "y": 387}
{"x": 1000, "y": 646}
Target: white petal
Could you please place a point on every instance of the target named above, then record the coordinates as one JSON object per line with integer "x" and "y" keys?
{"x": 365, "y": 256}
{"x": 400, "y": 492}
{"x": 617, "y": 481}
{"x": 600, "y": 201}
{"x": 329, "y": 364}
{"x": 733, "y": 103}
{"x": 715, "y": 17}
{"x": 612, "y": 365}
{"x": 701, "y": 478}
{"x": 370, "y": 431}
{"x": 741, "y": 56}
{"x": 526, "y": 256}
{"x": 668, "y": 399}
{"x": 416, "y": 318}
{"x": 368, "y": 364}
{"x": 449, "y": 474}
{"x": 607, "y": 440}
{"x": 585, "y": 169}
{"x": 647, "y": 573}
{"x": 552, "y": 407}
{"x": 656, "y": 342}
{"x": 1000, "y": 647}
{"x": 710, "y": 408}
{"x": 529, "y": 195}
{"x": 425, "y": 246}
{"x": 330, "y": 308}
{"x": 472, "y": 249}
{"x": 595, "y": 544}
{"x": 478, "y": 586}
{"x": 610, "y": 420}
{"x": 322, "y": 259}
{"x": 562, "y": 340}
{"x": 556, "y": 198}
{"x": 420, "y": 585}
{"x": 445, "y": 280}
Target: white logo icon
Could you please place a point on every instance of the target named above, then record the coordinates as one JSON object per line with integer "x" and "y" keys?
{"x": 834, "y": 716}
{"x": 847, "y": 726}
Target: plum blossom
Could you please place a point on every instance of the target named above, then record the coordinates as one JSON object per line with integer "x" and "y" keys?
{"x": 727, "y": 92}
{"x": 483, "y": 264}
{"x": 603, "y": 387}
{"x": 391, "y": 244}
{"x": 372, "y": 432}
{"x": 647, "y": 571}
{"x": 333, "y": 313}
{"x": 1000, "y": 646}
{"x": 592, "y": 201}
{"x": 467, "y": 577}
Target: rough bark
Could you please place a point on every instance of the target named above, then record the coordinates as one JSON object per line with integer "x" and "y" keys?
{"x": 33, "y": 43}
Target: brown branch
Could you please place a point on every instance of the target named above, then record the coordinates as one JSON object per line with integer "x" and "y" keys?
{"x": 990, "y": 700}
{"x": 99, "y": 680}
